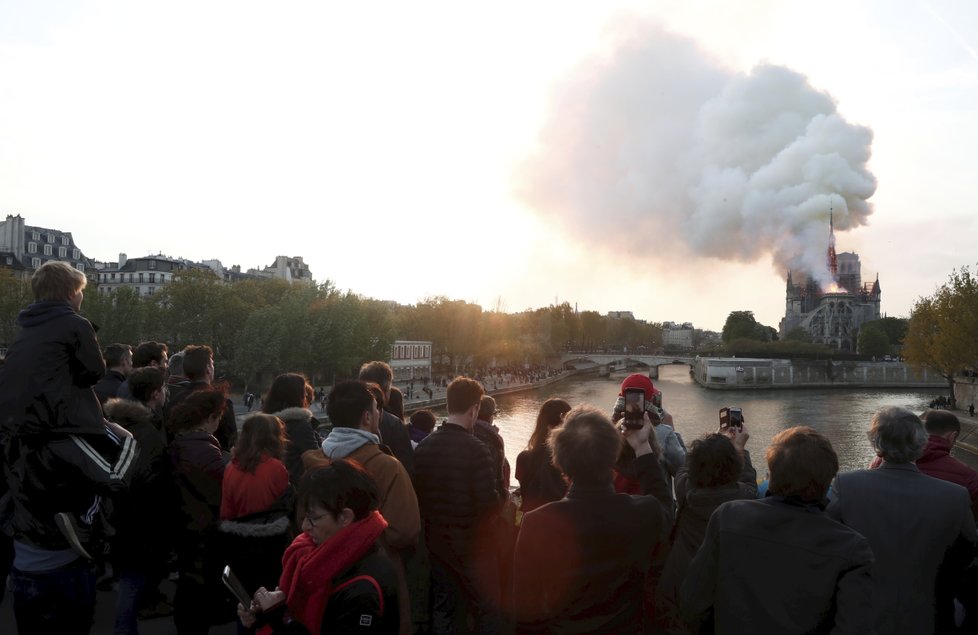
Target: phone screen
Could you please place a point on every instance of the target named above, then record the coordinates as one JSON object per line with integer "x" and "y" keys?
{"x": 235, "y": 587}
{"x": 634, "y": 404}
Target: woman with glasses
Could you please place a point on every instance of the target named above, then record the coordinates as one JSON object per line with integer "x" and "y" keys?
{"x": 336, "y": 576}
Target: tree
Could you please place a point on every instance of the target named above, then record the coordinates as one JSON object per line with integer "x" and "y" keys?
{"x": 873, "y": 340}
{"x": 15, "y": 294}
{"x": 895, "y": 328}
{"x": 740, "y": 325}
{"x": 942, "y": 334}
{"x": 798, "y": 334}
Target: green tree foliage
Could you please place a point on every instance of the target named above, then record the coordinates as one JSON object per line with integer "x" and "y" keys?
{"x": 15, "y": 294}
{"x": 798, "y": 334}
{"x": 741, "y": 325}
{"x": 873, "y": 340}
{"x": 942, "y": 334}
{"x": 895, "y": 328}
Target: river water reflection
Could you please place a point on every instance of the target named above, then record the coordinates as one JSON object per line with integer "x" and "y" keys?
{"x": 843, "y": 415}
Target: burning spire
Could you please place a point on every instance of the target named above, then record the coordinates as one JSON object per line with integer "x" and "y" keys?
{"x": 832, "y": 262}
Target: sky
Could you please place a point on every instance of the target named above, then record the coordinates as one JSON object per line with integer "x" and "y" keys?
{"x": 669, "y": 158}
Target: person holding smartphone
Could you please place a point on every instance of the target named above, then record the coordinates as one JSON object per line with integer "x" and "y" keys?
{"x": 336, "y": 576}
{"x": 638, "y": 395}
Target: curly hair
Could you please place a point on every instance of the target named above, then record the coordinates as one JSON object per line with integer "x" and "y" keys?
{"x": 194, "y": 409}
{"x": 713, "y": 460}
{"x": 261, "y": 435}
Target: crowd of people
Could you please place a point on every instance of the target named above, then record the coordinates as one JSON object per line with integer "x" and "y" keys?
{"x": 130, "y": 459}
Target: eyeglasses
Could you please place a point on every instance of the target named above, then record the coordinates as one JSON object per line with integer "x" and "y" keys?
{"x": 314, "y": 519}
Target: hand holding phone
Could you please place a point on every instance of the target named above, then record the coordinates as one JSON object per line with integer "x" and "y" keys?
{"x": 731, "y": 417}
{"x": 634, "y": 408}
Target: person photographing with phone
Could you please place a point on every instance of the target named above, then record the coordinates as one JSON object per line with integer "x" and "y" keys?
{"x": 336, "y": 576}
{"x": 718, "y": 469}
{"x": 639, "y": 396}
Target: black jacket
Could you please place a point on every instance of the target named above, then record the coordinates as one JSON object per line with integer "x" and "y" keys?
{"x": 581, "y": 562}
{"x": 778, "y": 566}
{"x": 489, "y": 435}
{"x": 364, "y": 600}
{"x": 144, "y": 515}
{"x": 394, "y": 434}
{"x": 57, "y": 453}
{"x": 300, "y": 428}
{"x": 52, "y": 473}
{"x": 108, "y": 387}
{"x": 197, "y": 464}
{"x": 540, "y": 482}
{"x": 47, "y": 377}
{"x": 456, "y": 486}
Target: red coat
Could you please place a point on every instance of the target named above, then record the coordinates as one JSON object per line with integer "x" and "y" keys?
{"x": 938, "y": 462}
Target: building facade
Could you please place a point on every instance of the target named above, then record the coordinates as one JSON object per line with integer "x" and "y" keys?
{"x": 832, "y": 315}
{"x": 24, "y": 248}
{"x": 677, "y": 337}
{"x": 410, "y": 360}
{"x": 146, "y": 275}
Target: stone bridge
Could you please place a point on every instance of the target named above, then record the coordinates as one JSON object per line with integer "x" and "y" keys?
{"x": 609, "y": 362}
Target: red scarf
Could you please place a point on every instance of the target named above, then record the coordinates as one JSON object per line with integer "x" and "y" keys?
{"x": 308, "y": 569}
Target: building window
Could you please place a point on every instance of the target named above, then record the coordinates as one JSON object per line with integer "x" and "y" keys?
{"x": 47, "y": 250}
{"x": 152, "y": 264}
{"x": 140, "y": 276}
{"x": 80, "y": 266}
{"x": 130, "y": 277}
{"x": 50, "y": 238}
{"x": 32, "y": 248}
{"x": 62, "y": 252}
{"x": 36, "y": 263}
{"x": 152, "y": 278}
{"x": 151, "y": 290}
{"x": 74, "y": 254}
{"x": 64, "y": 240}
{"x": 35, "y": 236}
{"x": 112, "y": 277}
{"x": 10, "y": 260}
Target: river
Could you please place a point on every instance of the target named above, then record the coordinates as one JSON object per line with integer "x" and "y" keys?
{"x": 843, "y": 415}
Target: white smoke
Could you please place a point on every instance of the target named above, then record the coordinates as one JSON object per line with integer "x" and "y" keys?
{"x": 654, "y": 147}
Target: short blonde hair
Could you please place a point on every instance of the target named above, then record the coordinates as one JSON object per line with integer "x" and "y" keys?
{"x": 56, "y": 280}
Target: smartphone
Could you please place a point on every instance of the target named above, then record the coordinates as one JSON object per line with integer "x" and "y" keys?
{"x": 731, "y": 417}
{"x": 235, "y": 587}
{"x": 634, "y": 408}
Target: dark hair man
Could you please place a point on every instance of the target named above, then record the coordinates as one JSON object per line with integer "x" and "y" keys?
{"x": 355, "y": 415}
{"x": 147, "y": 386}
{"x": 198, "y": 368}
{"x": 455, "y": 481}
{"x": 147, "y": 354}
{"x": 920, "y": 528}
{"x": 118, "y": 365}
{"x": 582, "y": 562}
{"x": 393, "y": 432}
{"x": 760, "y": 556}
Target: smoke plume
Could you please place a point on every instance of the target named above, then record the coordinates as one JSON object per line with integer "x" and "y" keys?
{"x": 654, "y": 148}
